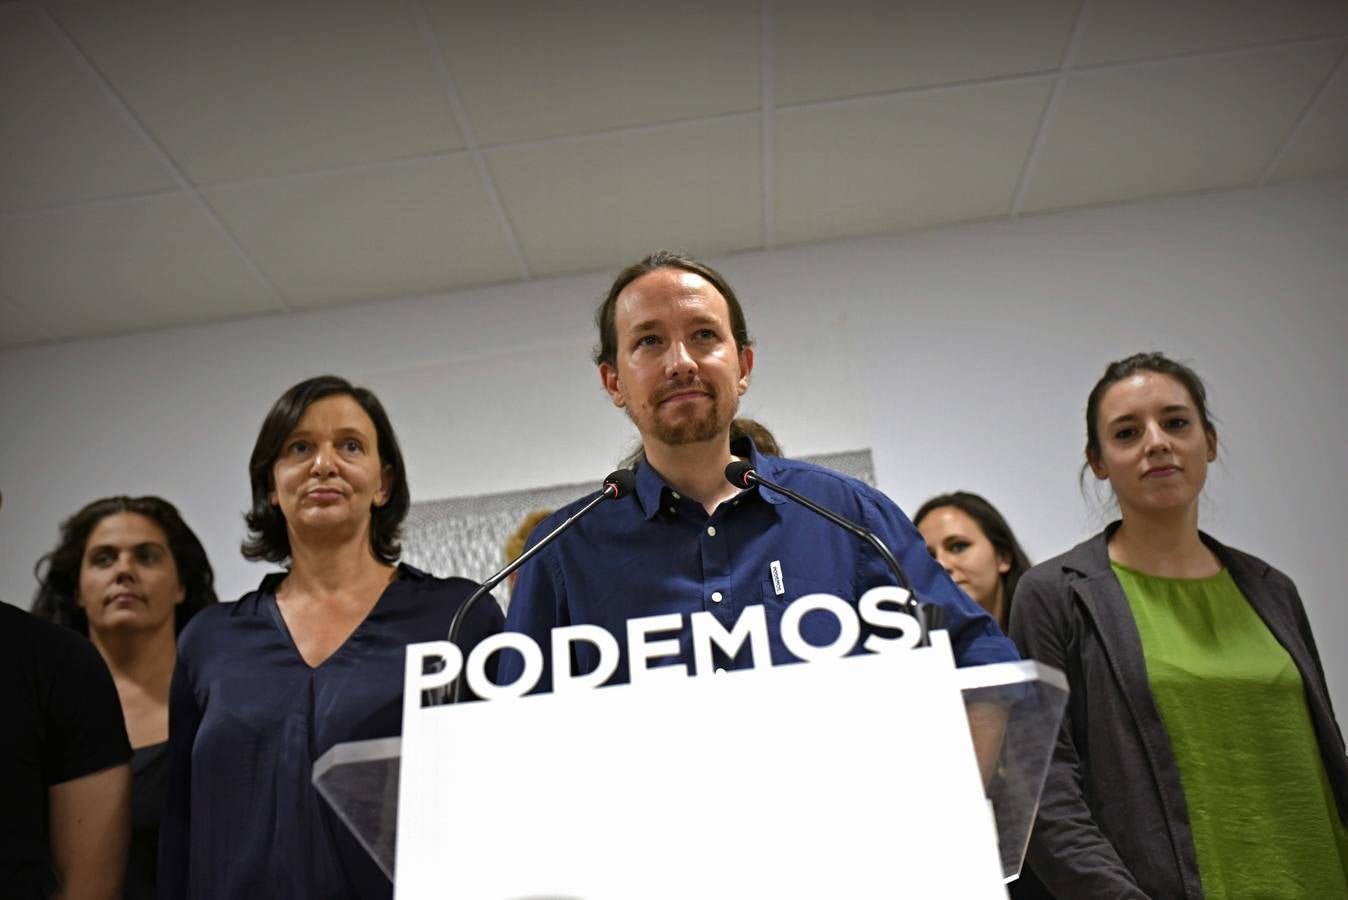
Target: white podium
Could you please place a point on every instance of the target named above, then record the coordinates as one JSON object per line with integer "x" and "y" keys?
{"x": 846, "y": 778}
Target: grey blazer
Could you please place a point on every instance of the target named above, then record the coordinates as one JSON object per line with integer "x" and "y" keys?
{"x": 1112, "y": 821}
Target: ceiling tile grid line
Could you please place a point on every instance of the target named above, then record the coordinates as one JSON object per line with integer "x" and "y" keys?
{"x": 1302, "y": 119}
{"x": 624, "y": 131}
{"x": 1050, "y": 105}
{"x": 469, "y": 135}
{"x": 532, "y": 69}
{"x": 326, "y": 171}
{"x": 1199, "y": 123}
{"x": 1140, "y": 29}
{"x": 597, "y": 204}
{"x": 14, "y": 310}
{"x": 353, "y": 168}
{"x": 768, "y": 79}
{"x": 1065, "y": 70}
{"x": 51, "y": 116}
{"x": 15, "y": 215}
{"x": 915, "y": 91}
{"x": 246, "y": 88}
{"x": 119, "y": 103}
{"x": 639, "y": 129}
{"x": 913, "y": 161}
{"x": 1251, "y": 48}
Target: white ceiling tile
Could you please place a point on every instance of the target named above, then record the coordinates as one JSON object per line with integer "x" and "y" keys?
{"x": 61, "y": 139}
{"x": 253, "y": 88}
{"x": 601, "y": 202}
{"x": 364, "y": 234}
{"x": 125, "y": 266}
{"x": 1194, "y": 124}
{"x": 899, "y": 162}
{"x": 532, "y": 68}
{"x": 1321, "y": 146}
{"x": 19, "y": 327}
{"x": 854, "y": 47}
{"x": 1142, "y": 29}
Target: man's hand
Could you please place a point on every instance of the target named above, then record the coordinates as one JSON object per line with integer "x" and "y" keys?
{"x": 90, "y": 820}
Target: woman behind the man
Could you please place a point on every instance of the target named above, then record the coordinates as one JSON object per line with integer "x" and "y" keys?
{"x": 972, "y": 542}
{"x": 312, "y": 658}
{"x": 1199, "y": 755}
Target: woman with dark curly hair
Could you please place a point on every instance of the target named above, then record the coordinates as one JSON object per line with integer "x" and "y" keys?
{"x": 312, "y": 658}
{"x": 128, "y": 574}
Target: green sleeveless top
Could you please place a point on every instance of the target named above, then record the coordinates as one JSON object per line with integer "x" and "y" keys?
{"x": 1260, "y": 805}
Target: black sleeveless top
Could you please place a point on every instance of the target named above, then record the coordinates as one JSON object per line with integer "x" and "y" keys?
{"x": 149, "y": 777}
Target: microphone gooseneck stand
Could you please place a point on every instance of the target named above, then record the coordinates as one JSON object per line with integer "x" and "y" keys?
{"x": 928, "y": 615}
{"x": 616, "y": 485}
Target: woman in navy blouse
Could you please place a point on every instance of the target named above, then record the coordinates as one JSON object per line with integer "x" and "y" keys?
{"x": 312, "y": 658}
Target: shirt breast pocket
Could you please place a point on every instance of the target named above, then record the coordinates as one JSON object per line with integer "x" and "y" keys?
{"x": 819, "y": 627}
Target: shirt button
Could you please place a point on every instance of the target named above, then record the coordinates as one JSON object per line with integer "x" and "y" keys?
{"x": 715, "y": 596}
{"x": 720, "y": 671}
{"x": 675, "y": 495}
{"x": 711, "y": 531}
{"x": 673, "y": 510}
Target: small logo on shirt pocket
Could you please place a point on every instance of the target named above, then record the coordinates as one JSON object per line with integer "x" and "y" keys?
{"x": 778, "y": 585}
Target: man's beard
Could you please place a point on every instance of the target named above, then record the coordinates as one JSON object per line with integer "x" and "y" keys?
{"x": 695, "y": 430}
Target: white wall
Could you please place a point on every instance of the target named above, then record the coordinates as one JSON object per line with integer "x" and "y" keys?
{"x": 961, "y": 356}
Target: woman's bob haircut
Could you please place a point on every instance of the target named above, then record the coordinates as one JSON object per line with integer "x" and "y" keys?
{"x": 268, "y": 538}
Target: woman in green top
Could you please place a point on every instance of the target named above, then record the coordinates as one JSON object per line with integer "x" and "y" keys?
{"x": 1199, "y": 755}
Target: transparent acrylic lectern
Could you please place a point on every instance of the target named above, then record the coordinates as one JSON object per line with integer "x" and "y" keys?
{"x": 360, "y": 779}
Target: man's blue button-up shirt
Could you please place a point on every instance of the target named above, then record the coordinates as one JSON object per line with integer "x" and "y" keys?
{"x": 656, "y": 552}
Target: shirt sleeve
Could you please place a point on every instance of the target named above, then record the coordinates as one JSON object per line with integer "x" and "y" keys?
{"x": 86, "y": 730}
{"x": 175, "y": 823}
{"x": 538, "y": 604}
{"x": 975, "y": 638}
{"x": 1068, "y": 851}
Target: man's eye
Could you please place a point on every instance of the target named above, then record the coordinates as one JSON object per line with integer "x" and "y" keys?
{"x": 706, "y": 334}
{"x": 647, "y": 340}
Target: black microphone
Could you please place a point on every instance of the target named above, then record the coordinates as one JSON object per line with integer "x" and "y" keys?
{"x": 617, "y": 484}
{"x": 929, "y": 616}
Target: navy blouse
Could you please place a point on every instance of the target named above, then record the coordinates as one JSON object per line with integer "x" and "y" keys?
{"x": 247, "y": 719}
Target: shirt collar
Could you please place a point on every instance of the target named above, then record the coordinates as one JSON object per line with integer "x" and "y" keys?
{"x": 651, "y": 487}
{"x": 763, "y": 465}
